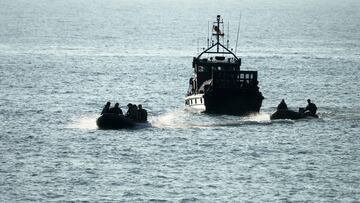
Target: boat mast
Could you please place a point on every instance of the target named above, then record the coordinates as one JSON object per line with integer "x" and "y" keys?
{"x": 237, "y": 36}
{"x": 217, "y": 32}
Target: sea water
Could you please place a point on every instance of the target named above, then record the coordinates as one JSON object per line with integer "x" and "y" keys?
{"x": 61, "y": 61}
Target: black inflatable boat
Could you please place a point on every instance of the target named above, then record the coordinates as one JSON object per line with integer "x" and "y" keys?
{"x": 289, "y": 114}
{"x": 114, "y": 121}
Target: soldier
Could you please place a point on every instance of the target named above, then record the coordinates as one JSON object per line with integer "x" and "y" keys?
{"x": 106, "y": 108}
{"x": 142, "y": 114}
{"x": 116, "y": 109}
{"x": 129, "y": 110}
{"x": 311, "y": 107}
{"x": 132, "y": 112}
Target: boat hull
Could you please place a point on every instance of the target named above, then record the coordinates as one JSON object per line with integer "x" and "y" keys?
{"x": 195, "y": 102}
{"x": 114, "y": 121}
{"x": 228, "y": 102}
{"x": 289, "y": 114}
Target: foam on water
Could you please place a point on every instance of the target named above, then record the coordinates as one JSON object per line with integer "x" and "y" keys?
{"x": 172, "y": 119}
{"x": 195, "y": 119}
{"x": 257, "y": 117}
{"x": 84, "y": 123}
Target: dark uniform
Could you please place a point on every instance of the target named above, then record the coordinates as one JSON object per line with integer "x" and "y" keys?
{"x": 311, "y": 107}
{"x": 132, "y": 112}
{"x": 142, "y": 114}
{"x": 106, "y": 108}
{"x": 116, "y": 109}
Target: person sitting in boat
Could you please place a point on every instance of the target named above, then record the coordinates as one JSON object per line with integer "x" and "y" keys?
{"x": 142, "y": 114}
{"x": 282, "y": 105}
{"x": 129, "y": 110}
{"x": 106, "y": 108}
{"x": 310, "y": 108}
{"x": 116, "y": 109}
{"x": 132, "y": 112}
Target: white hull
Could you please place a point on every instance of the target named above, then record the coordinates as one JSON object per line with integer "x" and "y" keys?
{"x": 195, "y": 102}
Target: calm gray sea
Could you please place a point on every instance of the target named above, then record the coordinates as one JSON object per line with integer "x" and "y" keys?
{"x": 62, "y": 60}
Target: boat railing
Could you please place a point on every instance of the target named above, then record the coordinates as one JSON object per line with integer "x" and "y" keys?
{"x": 234, "y": 79}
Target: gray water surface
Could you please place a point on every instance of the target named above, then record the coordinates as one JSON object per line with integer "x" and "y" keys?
{"x": 61, "y": 61}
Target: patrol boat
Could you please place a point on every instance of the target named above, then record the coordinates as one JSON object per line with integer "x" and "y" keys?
{"x": 218, "y": 85}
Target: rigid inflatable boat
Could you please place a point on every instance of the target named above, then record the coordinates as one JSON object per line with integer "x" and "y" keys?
{"x": 289, "y": 114}
{"x": 114, "y": 121}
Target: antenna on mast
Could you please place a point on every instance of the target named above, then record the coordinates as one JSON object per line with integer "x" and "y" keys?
{"x": 217, "y": 31}
{"x": 237, "y": 37}
{"x": 208, "y": 38}
{"x": 198, "y": 46}
{"x": 228, "y": 36}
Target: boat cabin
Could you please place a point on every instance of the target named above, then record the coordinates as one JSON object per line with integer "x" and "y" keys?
{"x": 220, "y": 72}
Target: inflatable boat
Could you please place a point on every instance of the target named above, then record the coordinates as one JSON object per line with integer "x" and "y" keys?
{"x": 289, "y": 114}
{"x": 114, "y": 121}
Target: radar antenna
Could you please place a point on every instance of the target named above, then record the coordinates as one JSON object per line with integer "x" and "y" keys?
{"x": 217, "y": 32}
{"x": 237, "y": 37}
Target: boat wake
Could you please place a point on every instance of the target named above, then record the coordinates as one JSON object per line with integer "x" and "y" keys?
{"x": 174, "y": 119}
{"x": 187, "y": 119}
{"x": 84, "y": 123}
{"x": 182, "y": 119}
{"x": 257, "y": 118}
